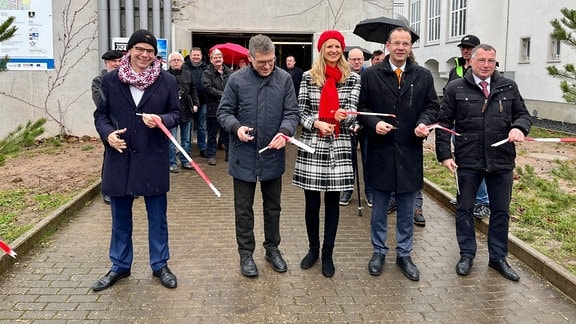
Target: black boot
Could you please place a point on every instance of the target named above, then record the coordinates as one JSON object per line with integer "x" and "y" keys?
{"x": 310, "y": 258}
{"x": 327, "y": 263}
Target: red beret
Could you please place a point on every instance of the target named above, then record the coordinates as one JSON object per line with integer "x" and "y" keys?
{"x": 331, "y": 34}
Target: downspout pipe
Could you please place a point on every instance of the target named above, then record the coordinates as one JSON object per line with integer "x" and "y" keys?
{"x": 103, "y": 37}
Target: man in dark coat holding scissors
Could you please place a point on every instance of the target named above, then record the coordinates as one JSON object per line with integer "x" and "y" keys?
{"x": 394, "y": 161}
{"x": 136, "y": 159}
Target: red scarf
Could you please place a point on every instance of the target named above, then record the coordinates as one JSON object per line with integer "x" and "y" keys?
{"x": 329, "y": 102}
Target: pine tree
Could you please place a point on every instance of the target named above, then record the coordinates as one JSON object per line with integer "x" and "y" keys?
{"x": 562, "y": 32}
{"x": 6, "y": 32}
{"x": 22, "y": 136}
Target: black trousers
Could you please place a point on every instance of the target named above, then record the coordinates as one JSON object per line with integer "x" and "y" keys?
{"x": 243, "y": 202}
{"x": 331, "y": 218}
{"x": 499, "y": 185}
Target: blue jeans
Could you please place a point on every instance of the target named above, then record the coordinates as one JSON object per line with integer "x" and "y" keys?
{"x": 200, "y": 119}
{"x": 482, "y": 195}
{"x": 184, "y": 142}
{"x": 404, "y": 221}
{"x": 212, "y": 126}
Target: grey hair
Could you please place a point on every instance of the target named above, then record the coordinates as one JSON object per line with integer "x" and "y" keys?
{"x": 485, "y": 47}
{"x": 261, "y": 44}
{"x": 214, "y": 52}
{"x": 175, "y": 54}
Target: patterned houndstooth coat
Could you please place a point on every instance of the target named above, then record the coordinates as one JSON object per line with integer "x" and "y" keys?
{"x": 329, "y": 168}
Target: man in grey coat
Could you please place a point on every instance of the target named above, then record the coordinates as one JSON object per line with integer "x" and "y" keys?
{"x": 257, "y": 108}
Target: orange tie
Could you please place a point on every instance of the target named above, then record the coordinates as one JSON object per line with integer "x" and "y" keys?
{"x": 398, "y": 75}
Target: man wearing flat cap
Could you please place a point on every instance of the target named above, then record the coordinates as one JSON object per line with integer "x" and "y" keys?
{"x": 132, "y": 97}
{"x": 111, "y": 59}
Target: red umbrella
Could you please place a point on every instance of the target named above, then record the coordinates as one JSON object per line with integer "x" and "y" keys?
{"x": 231, "y": 53}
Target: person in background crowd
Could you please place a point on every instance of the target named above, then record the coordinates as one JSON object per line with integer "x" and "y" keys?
{"x": 394, "y": 154}
{"x": 196, "y": 66}
{"x": 214, "y": 81}
{"x": 136, "y": 158}
{"x": 111, "y": 61}
{"x": 356, "y": 61}
{"x": 258, "y": 108}
{"x": 494, "y": 110}
{"x": 189, "y": 103}
{"x": 295, "y": 72}
{"x": 242, "y": 63}
{"x": 328, "y": 91}
{"x": 377, "y": 57}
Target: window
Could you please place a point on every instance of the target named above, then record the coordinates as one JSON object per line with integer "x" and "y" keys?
{"x": 398, "y": 8}
{"x": 434, "y": 20}
{"x": 415, "y": 16}
{"x": 554, "y": 51}
{"x": 525, "y": 50}
{"x": 457, "y": 18}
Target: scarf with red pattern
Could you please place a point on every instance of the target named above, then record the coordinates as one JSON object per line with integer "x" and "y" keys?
{"x": 140, "y": 80}
{"x": 329, "y": 102}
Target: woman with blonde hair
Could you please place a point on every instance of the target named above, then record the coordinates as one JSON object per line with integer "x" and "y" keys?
{"x": 327, "y": 92}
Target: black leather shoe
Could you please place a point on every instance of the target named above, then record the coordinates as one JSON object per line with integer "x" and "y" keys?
{"x": 328, "y": 267}
{"x": 248, "y": 266}
{"x": 464, "y": 266}
{"x": 408, "y": 267}
{"x": 419, "y": 219}
{"x": 310, "y": 258}
{"x": 275, "y": 258}
{"x": 203, "y": 154}
{"x": 504, "y": 268}
{"x": 167, "y": 278}
{"x": 376, "y": 264}
{"x": 109, "y": 280}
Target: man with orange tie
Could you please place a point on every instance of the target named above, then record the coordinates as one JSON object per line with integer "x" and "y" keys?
{"x": 394, "y": 161}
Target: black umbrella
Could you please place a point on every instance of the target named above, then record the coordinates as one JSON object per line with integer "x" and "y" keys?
{"x": 367, "y": 53}
{"x": 377, "y": 29}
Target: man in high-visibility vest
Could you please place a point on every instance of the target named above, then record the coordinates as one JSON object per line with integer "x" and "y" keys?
{"x": 466, "y": 45}
{"x": 468, "y": 42}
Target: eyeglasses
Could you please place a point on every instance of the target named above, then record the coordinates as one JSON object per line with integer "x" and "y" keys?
{"x": 356, "y": 59}
{"x": 398, "y": 44}
{"x": 263, "y": 63}
{"x": 484, "y": 61}
{"x": 176, "y": 60}
{"x": 142, "y": 50}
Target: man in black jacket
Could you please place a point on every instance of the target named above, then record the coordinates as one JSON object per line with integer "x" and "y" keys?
{"x": 188, "y": 106}
{"x": 196, "y": 66}
{"x": 484, "y": 107}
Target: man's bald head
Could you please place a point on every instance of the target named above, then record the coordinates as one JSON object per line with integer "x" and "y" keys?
{"x": 356, "y": 59}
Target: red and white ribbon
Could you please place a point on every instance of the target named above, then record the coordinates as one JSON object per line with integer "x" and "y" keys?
{"x": 370, "y": 114}
{"x": 293, "y": 141}
{"x": 540, "y": 139}
{"x": 7, "y": 249}
{"x": 159, "y": 123}
{"x": 437, "y": 125}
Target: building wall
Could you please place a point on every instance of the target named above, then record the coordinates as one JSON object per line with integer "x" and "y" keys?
{"x": 502, "y": 24}
{"x": 72, "y": 101}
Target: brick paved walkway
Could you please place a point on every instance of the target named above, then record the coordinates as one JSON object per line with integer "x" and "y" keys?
{"x": 52, "y": 282}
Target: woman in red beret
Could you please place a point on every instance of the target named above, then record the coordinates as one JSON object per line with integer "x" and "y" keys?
{"x": 327, "y": 92}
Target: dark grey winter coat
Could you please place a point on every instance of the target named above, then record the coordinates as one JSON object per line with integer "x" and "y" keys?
{"x": 269, "y": 106}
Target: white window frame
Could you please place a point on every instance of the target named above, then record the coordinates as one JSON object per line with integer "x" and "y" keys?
{"x": 415, "y": 15}
{"x": 554, "y": 50}
{"x": 524, "y": 50}
{"x": 457, "y": 18}
{"x": 434, "y": 21}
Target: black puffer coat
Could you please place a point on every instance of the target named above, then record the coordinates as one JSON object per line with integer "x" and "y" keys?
{"x": 482, "y": 122}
